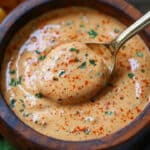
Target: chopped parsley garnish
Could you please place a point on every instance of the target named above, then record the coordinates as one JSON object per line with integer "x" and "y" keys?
{"x": 61, "y": 73}
{"x": 82, "y": 25}
{"x": 87, "y": 131}
{"x": 139, "y": 54}
{"x": 77, "y": 59}
{"x": 69, "y": 22}
{"x": 86, "y": 55}
{"x": 12, "y": 82}
{"x": 92, "y": 62}
{"x": 55, "y": 78}
{"x": 97, "y": 25}
{"x": 23, "y": 105}
{"x": 83, "y": 65}
{"x": 38, "y": 95}
{"x": 109, "y": 113}
{"x": 116, "y": 30}
{"x": 19, "y": 80}
{"x": 92, "y": 33}
{"x": 42, "y": 57}
{"x": 12, "y": 103}
{"x": 12, "y": 71}
{"x": 99, "y": 74}
{"x": 142, "y": 70}
{"x": 73, "y": 49}
{"x": 131, "y": 75}
{"x": 37, "y": 52}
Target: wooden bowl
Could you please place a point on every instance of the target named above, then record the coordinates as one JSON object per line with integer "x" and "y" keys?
{"x": 24, "y": 137}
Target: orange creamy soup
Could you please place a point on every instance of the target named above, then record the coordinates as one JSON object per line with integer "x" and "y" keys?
{"x": 47, "y": 66}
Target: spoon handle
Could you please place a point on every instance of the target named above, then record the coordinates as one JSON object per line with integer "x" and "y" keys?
{"x": 131, "y": 31}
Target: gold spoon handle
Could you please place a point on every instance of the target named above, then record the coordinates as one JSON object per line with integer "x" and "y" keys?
{"x": 131, "y": 31}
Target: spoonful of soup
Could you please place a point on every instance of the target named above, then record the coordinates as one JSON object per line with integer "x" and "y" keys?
{"x": 76, "y": 71}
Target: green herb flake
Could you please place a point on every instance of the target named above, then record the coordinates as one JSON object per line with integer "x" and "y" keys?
{"x": 12, "y": 71}
{"x": 55, "y": 78}
{"x": 21, "y": 110}
{"x": 131, "y": 75}
{"x": 69, "y": 22}
{"x": 139, "y": 54}
{"x": 116, "y": 30}
{"x": 12, "y": 82}
{"x": 86, "y": 55}
{"x": 73, "y": 49}
{"x": 77, "y": 59}
{"x": 42, "y": 57}
{"x": 99, "y": 74}
{"x": 82, "y": 25}
{"x": 92, "y": 33}
{"x": 97, "y": 25}
{"x": 38, "y": 95}
{"x": 12, "y": 103}
{"x": 87, "y": 131}
{"x": 83, "y": 65}
{"x": 61, "y": 73}
{"x": 142, "y": 70}
{"x": 109, "y": 113}
{"x": 19, "y": 80}
{"x": 92, "y": 62}
{"x": 37, "y": 52}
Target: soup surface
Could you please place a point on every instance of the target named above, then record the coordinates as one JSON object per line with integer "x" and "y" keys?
{"x": 45, "y": 64}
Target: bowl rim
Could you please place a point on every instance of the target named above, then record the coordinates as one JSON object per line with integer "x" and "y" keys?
{"x": 106, "y": 142}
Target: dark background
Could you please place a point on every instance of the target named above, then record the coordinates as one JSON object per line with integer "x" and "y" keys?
{"x": 142, "y": 141}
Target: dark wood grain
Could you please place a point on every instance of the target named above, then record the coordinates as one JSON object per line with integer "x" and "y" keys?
{"x": 23, "y": 136}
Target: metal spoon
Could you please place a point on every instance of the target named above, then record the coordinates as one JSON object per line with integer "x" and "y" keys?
{"x": 114, "y": 46}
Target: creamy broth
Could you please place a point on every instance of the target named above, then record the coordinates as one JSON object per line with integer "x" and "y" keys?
{"x": 45, "y": 63}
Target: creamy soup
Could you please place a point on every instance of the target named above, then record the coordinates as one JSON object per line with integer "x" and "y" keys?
{"x": 47, "y": 66}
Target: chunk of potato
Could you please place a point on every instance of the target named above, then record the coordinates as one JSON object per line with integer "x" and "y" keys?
{"x": 2, "y": 14}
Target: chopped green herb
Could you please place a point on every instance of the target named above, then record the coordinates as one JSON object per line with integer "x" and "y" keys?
{"x": 37, "y": 52}
{"x": 12, "y": 103}
{"x": 92, "y": 62}
{"x": 42, "y": 57}
{"x": 83, "y": 65}
{"x": 109, "y": 113}
{"x": 21, "y": 110}
{"x": 55, "y": 78}
{"x": 123, "y": 47}
{"x": 26, "y": 114}
{"x": 92, "y": 33}
{"x": 139, "y": 54}
{"x": 23, "y": 105}
{"x": 86, "y": 55}
{"x": 12, "y": 82}
{"x": 116, "y": 30}
{"x": 12, "y": 71}
{"x": 61, "y": 73}
{"x": 76, "y": 59}
{"x": 82, "y": 25}
{"x": 87, "y": 131}
{"x": 99, "y": 74}
{"x": 69, "y": 22}
{"x": 19, "y": 80}
{"x": 36, "y": 122}
{"x": 97, "y": 25}
{"x": 73, "y": 49}
{"x": 131, "y": 75}
{"x": 142, "y": 70}
{"x": 38, "y": 95}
